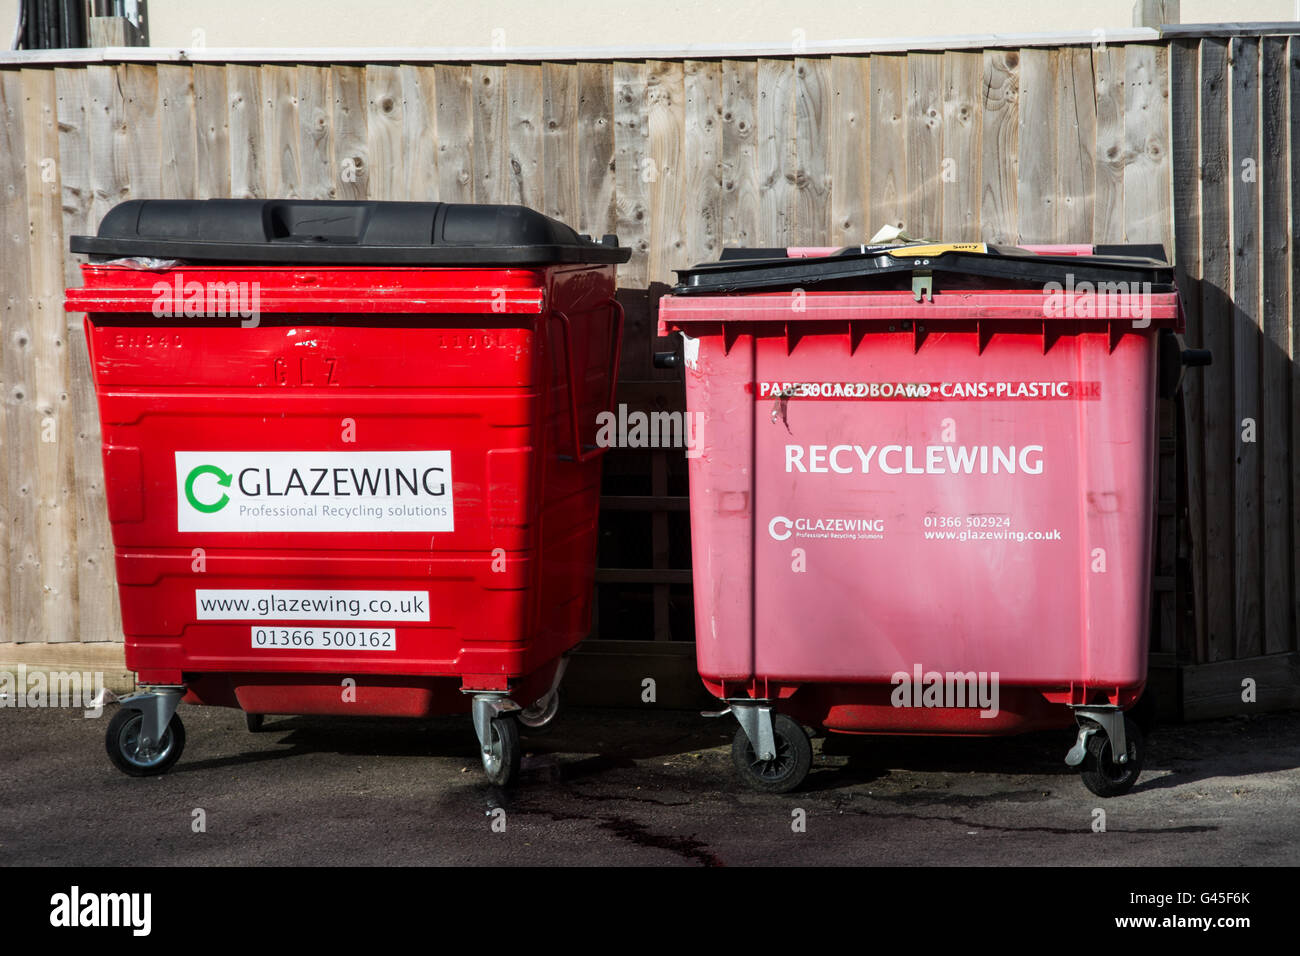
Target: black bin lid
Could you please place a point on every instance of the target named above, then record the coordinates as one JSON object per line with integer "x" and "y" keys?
{"x": 858, "y": 268}
{"x": 328, "y": 232}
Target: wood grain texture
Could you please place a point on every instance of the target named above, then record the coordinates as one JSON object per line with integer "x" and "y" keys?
{"x": 491, "y": 135}
{"x": 850, "y": 149}
{"x": 1277, "y": 467}
{"x": 1037, "y": 188}
{"x": 924, "y": 119}
{"x": 455, "y": 133}
{"x": 739, "y": 157}
{"x": 1185, "y": 158}
{"x": 247, "y": 137}
{"x": 1000, "y": 146}
{"x": 665, "y": 97}
{"x": 888, "y": 144}
{"x": 384, "y": 121}
{"x": 98, "y": 612}
{"x": 1221, "y": 430}
{"x": 597, "y": 171}
{"x": 212, "y": 131}
{"x": 524, "y": 89}
{"x": 315, "y": 133}
{"x": 962, "y": 146}
{"x": 631, "y": 153}
{"x": 1076, "y": 146}
{"x": 703, "y": 161}
{"x": 1111, "y": 158}
{"x": 1147, "y": 185}
{"x": 282, "y": 132}
{"x": 110, "y": 182}
{"x": 24, "y": 606}
{"x": 139, "y": 89}
{"x": 777, "y": 160}
{"x": 419, "y": 133}
{"x": 179, "y": 175}
{"x": 560, "y": 140}
{"x": 812, "y": 178}
{"x": 55, "y": 476}
{"x": 1293, "y": 83}
{"x": 1243, "y": 58}
{"x": 350, "y": 143}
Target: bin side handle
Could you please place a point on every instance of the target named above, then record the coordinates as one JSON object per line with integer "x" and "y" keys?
{"x": 616, "y": 352}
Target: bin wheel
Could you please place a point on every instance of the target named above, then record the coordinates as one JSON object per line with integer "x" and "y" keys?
{"x": 255, "y": 722}
{"x": 537, "y": 720}
{"x": 1101, "y": 774}
{"x": 501, "y": 758}
{"x": 122, "y": 740}
{"x": 790, "y": 766}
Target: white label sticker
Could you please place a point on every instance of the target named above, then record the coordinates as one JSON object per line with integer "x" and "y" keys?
{"x": 298, "y": 605}
{"x": 314, "y": 491}
{"x": 324, "y": 639}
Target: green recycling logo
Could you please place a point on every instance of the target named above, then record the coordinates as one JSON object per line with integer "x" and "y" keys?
{"x": 223, "y": 479}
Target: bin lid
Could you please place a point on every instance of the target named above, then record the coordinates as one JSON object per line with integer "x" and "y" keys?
{"x": 952, "y": 266}
{"x": 329, "y": 232}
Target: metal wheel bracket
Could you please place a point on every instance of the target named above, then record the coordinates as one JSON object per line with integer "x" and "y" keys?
{"x": 755, "y": 719}
{"x": 483, "y": 709}
{"x": 1079, "y": 751}
{"x": 158, "y": 705}
{"x": 1112, "y": 722}
{"x": 544, "y": 701}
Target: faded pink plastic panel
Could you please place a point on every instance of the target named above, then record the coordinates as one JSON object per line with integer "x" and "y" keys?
{"x": 794, "y": 309}
{"x": 1068, "y": 604}
{"x": 721, "y": 490}
{"x": 906, "y": 589}
{"x": 1067, "y": 249}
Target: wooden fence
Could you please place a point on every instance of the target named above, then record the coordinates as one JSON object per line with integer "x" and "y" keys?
{"x": 1235, "y": 103}
{"x": 682, "y": 158}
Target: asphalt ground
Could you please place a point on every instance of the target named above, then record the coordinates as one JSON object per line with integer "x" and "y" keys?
{"x": 608, "y": 787}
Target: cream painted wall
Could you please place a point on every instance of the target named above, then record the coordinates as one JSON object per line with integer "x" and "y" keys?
{"x": 601, "y": 23}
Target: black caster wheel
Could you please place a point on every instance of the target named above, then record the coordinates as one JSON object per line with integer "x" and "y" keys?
{"x": 256, "y": 722}
{"x": 790, "y": 766}
{"x": 1101, "y": 774}
{"x": 122, "y": 740}
{"x": 501, "y": 758}
{"x": 537, "y": 720}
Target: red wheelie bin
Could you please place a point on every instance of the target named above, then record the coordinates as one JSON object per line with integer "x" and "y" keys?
{"x": 922, "y": 501}
{"x": 349, "y": 458}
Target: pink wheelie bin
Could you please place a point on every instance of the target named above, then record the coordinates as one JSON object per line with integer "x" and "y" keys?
{"x": 922, "y": 499}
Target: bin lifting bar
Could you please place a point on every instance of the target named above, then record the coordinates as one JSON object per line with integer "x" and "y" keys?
{"x": 616, "y": 352}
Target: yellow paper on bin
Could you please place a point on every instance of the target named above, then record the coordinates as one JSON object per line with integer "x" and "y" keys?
{"x": 937, "y": 248}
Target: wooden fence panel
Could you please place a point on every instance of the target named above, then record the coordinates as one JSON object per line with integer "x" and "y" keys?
{"x": 1243, "y": 123}
{"x": 963, "y": 112}
{"x": 53, "y": 477}
{"x": 23, "y": 612}
{"x": 1276, "y": 466}
{"x": 888, "y": 143}
{"x": 1036, "y": 165}
{"x": 1216, "y": 297}
{"x": 1000, "y": 147}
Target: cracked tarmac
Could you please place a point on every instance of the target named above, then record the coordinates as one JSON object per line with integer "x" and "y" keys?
{"x": 607, "y": 787}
